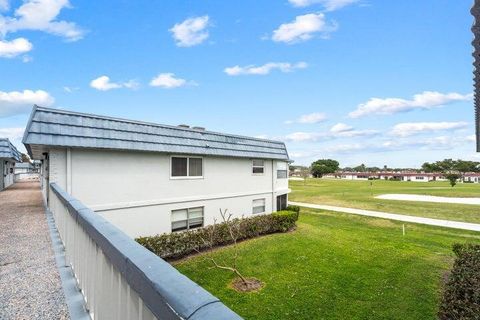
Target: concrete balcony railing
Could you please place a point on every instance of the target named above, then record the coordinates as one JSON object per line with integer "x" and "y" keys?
{"x": 119, "y": 279}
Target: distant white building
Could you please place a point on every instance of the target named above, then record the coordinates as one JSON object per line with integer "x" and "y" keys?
{"x": 400, "y": 176}
{"x": 148, "y": 178}
{"x": 24, "y": 167}
{"x": 26, "y": 171}
{"x": 9, "y": 156}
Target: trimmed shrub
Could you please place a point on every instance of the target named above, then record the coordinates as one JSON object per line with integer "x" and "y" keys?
{"x": 461, "y": 295}
{"x": 293, "y": 208}
{"x": 178, "y": 244}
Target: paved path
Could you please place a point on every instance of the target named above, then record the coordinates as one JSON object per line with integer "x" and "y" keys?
{"x": 30, "y": 286}
{"x": 393, "y": 216}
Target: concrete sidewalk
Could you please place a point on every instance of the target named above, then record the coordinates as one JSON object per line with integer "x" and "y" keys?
{"x": 393, "y": 216}
{"x": 30, "y": 285}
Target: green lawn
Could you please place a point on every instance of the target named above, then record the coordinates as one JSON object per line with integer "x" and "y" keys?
{"x": 337, "y": 266}
{"x": 360, "y": 194}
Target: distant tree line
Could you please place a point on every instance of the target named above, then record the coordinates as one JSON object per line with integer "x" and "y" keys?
{"x": 451, "y": 169}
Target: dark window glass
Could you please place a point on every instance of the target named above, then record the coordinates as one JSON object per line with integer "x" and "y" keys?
{"x": 282, "y": 202}
{"x": 258, "y": 166}
{"x": 257, "y": 169}
{"x": 179, "y": 167}
{"x": 195, "y": 167}
{"x": 281, "y": 174}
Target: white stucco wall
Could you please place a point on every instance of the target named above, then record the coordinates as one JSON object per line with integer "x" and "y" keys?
{"x": 134, "y": 190}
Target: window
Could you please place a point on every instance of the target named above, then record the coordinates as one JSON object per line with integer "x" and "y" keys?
{"x": 418, "y": 178}
{"x": 281, "y": 170}
{"x": 187, "y": 167}
{"x": 186, "y": 219}
{"x": 258, "y": 206}
{"x": 258, "y": 166}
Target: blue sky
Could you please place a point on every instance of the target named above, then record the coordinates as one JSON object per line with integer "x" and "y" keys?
{"x": 366, "y": 81}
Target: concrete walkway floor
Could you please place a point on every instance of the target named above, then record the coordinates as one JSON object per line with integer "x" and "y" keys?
{"x": 394, "y": 216}
{"x": 30, "y": 285}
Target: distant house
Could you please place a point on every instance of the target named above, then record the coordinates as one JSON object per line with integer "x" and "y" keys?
{"x": 26, "y": 171}
{"x": 9, "y": 156}
{"x": 24, "y": 167}
{"x": 400, "y": 176}
{"x": 149, "y": 178}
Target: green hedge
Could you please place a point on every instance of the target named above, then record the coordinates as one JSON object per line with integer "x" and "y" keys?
{"x": 461, "y": 296}
{"x": 179, "y": 244}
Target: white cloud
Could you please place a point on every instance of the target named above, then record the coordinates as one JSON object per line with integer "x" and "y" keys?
{"x": 411, "y": 128}
{"x": 471, "y": 138}
{"x": 324, "y": 136}
{"x": 330, "y": 5}
{"x": 345, "y": 148}
{"x": 305, "y": 136}
{"x": 26, "y": 59}
{"x": 345, "y": 131}
{"x": 303, "y": 28}
{"x": 4, "y": 5}
{"x": 264, "y": 69}
{"x": 11, "y": 133}
{"x": 41, "y": 15}
{"x": 435, "y": 143}
{"x": 340, "y": 127}
{"x": 190, "y": 32}
{"x": 310, "y": 118}
{"x": 131, "y": 84}
{"x": 424, "y": 100}
{"x": 16, "y": 102}
{"x": 169, "y": 81}
{"x": 70, "y": 89}
{"x": 356, "y": 133}
{"x": 13, "y": 48}
{"x": 103, "y": 83}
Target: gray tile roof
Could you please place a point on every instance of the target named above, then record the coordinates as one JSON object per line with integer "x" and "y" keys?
{"x": 8, "y": 150}
{"x": 53, "y": 127}
{"x": 476, "y": 64}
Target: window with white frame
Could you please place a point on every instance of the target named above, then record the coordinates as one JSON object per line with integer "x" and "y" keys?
{"x": 258, "y": 206}
{"x": 258, "y": 166}
{"x": 187, "y": 167}
{"x": 186, "y": 219}
{"x": 282, "y": 170}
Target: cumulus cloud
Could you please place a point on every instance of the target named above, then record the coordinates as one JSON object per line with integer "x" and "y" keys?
{"x": 169, "y": 81}
{"x": 329, "y": 5}
{"x": 422, "y": 101}
{"x": 310, "y": 118}
{"x": 190, "y": 32}
{"x": 4, "y": 5}
{"x": 16, "y": 102}
{"x": 411, "y": 128}
{"x": 434, "y": 143}
{"x": 13, "y": 48}
{"x": 103, "y": 83}
{"x": 305, "y": 136}
{"x": 264, "y": 69}
{"x": 340, "y": 127}
{"x": 345, "y": 131}
{"x": 303, "y": 28}
{"x": 337, "y": 131}
{"x": 41, "y": 15}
